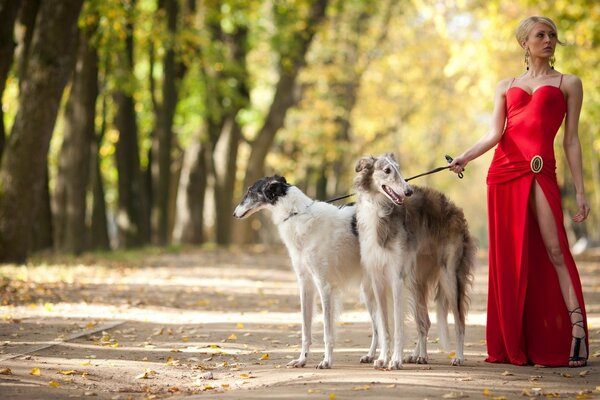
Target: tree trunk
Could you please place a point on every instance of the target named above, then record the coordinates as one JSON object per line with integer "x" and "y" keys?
{"x": 8, "y": 15}
{"x": 42, "y": 238}
{"x": 132, "y": 214}
{"x": 226, "y": 149}
{"x": 189, "y": 219}
{"x": 99, "y": 238}
{"x": 26, "y": 19}
{"x": 74, "y": 163}
{"x": 285, "y": 97}
{"x": 49, "y": 66}
{"x": 163, "y": 140}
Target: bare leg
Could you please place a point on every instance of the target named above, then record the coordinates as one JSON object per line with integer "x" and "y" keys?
{"x": 549, "y": 233}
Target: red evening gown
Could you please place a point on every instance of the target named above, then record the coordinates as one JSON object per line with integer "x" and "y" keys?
{"x": 527, "y": 318}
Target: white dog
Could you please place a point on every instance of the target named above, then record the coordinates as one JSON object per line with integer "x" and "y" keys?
{"x": 323, "y": 246}
{"x": 414, "y": 239}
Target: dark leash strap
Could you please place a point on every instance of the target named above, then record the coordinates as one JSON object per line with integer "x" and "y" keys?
{"x": 433, "y": 171}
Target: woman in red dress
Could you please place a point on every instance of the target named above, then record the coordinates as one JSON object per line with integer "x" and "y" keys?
{"x": 536, "y": 312}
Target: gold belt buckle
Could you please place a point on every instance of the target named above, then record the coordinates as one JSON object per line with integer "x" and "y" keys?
{"x": 537, "y": 163}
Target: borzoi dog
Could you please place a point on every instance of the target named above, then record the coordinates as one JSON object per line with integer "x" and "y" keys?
{"x": 412, "y": 238}
{"x": 323, "y": 246}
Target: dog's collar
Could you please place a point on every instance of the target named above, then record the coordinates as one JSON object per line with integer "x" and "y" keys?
{"x": 295, "y": 213}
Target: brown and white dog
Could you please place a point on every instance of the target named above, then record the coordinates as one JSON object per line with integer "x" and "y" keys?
{"x": 412, "y": 238}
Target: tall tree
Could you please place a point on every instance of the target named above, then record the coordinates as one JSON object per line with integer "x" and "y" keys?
{"x": 70, "y": 231}
{"x": 49, "y": 66}
{"x": 162, "y": 143}
{"x": 132, "y": 214}
{"x": 292, "y": 57}
{"x": 8, "y": 15}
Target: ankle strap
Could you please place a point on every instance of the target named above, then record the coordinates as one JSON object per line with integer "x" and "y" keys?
{"x": 575, "y": 311}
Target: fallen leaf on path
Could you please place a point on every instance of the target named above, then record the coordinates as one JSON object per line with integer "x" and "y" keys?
{"x": 225, "y": 385}
{"x": 452, "y": 354}
{"x": 507, "y": 373}
{"x": 361, "y": 387}
{"x": 172, "y": 362}
{"x": 232, "y": 337}
{"x": 486, "y": 392}
{"x": 584, "y": 373}
{"x": 264, "y": 357}
{"x": 467, "y": 379}
{"x": 54, "y": 384}
{"x": 146, "y": 375}
{"x": 314, "y": 391}
{"x": 566, "y": 375}
{"x": 332, "y": 396}
{"x": 86, "y": 364}
{"x": 533, "y": 392}
{"x": 5, "y": 371}
{"x": 68, "y": 372}
{"x": 239, "y": 325}
{"x": 35, "y": 371}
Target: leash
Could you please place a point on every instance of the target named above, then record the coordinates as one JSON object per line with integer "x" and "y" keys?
{"x": 433, "y": 171}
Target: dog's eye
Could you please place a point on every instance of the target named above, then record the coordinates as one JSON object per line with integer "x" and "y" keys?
{"x": 387, "y": 170}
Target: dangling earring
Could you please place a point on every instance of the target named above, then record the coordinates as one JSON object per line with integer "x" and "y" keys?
{"x": 527, "y": 59}
{"x": 552, "y": 60}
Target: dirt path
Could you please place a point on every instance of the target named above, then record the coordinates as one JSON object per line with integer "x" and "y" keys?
{"x": 224, "y": 324}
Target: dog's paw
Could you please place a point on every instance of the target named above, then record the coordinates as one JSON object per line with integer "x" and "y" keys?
{"x": 299, "y": 363}
{"x": 395, "y": 365}
{"x": 324, "y": 365}
{"x": 367, "y": 359}
{"x": 457, "y": 361}
{"x": 410, "y": 359}
{"x": 379, "y": 364}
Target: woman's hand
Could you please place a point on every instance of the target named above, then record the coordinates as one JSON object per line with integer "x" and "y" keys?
{"x": 584, "y": 209}
{"x": 458, "y": 165}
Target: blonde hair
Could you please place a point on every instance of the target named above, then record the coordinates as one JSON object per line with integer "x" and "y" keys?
{"x": 527, "y": 24}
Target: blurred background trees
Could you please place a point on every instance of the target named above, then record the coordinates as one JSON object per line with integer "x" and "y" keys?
{"x": 136, "y": 122}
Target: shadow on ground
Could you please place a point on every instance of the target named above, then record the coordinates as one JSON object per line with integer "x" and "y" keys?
{"x": 224, "y": 324}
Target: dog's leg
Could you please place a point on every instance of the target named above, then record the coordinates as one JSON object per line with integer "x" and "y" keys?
{"x": 383, "y": 330}
{"x": 328, "y": 305}
{"x": 452, "y": 294}
{"x": 307, "y": 296}
{"x": 442, "y": 319}
{"x": 369, "y": 300}
{"x": 398, "y": 312}
{"x": 423, "y": 324}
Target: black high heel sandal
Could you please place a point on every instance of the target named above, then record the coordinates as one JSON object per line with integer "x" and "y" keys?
{"x": 575, "y": 357}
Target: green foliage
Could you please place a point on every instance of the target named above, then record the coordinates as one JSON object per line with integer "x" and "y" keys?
{"x": 414, "y": 77}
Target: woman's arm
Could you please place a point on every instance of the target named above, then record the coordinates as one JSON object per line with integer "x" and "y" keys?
{"x": 571, "y": 144}
{"x": 494, "y": 134}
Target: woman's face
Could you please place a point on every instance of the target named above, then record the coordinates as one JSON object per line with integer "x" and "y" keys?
{"x": 541, "y": 40}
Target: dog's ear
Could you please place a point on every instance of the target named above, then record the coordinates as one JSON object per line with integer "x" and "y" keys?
{"x": 275, "y": 188}
{"x": 391, "y": 156}
{"x": 365, "y": 162}
{"x": 281, "y": 179}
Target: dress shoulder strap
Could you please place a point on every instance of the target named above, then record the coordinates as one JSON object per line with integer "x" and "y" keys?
{"x": 561, "y": 78}
{"x": 510, "y": 85}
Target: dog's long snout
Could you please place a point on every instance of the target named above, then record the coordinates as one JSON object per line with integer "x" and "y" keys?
{"x": 408, "y": 191}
